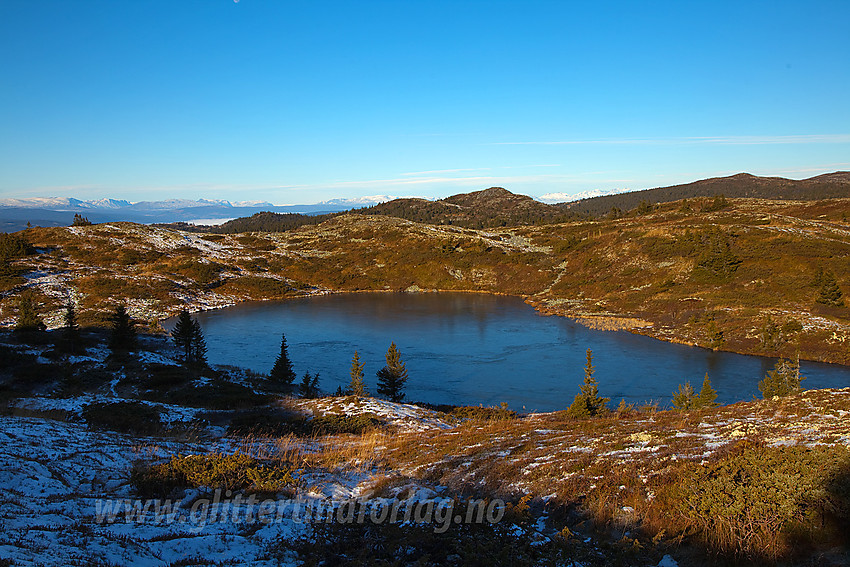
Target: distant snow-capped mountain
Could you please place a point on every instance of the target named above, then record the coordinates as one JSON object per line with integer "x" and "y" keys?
{"x": 366, "y": 201}
{"x": 251, "y": 204}
{"x": 63, "y": 203}
{"x": 167, "y": 204}
{"x": 44, "y": 203}
{"x": 16, "y": 214}
{"x": 570, "y": 197}
{"x": 69, "y": 203}
{"x": 108, "y": 203}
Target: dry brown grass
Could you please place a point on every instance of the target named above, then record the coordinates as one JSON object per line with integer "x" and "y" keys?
{"x": 625, "y": 473}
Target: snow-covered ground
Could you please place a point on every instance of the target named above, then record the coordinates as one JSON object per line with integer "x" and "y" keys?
{"x": 55, "y": 476}
{"x": 404, "y": 417}
{"x": 59, "y": 481}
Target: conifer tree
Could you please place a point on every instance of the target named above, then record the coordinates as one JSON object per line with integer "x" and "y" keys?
{"x": 392, "y": 377}
{"x": 282, "y": 372}
{"x": 309, "y": 385}
{"x": 80, "y": 220}
{"x": 717, "y": 263}
{"x": 123, "y": 336}
{"x": 588, "y": 402}
{"x": 28, "y": 319}
{"x": 685, "y": 399}
{"x": 304, "y": 385}
{"x": 70, "y": 317}
{"x": 770, "y": 334}
{"x": 356, "y": 386}
{"x": 199, "y": 344}
{"x": 783, "y": 380}
{"x": 189, "y": 339}
{"x": 830, "y": 294}
{"x": 714, "y": 335}
{"x": 71, "y": 331}
{"x": 314, "y": 385}
{"x": 182, "y": 335}
{"x": 707, "y": 394}
{"x": 624, "y": 408}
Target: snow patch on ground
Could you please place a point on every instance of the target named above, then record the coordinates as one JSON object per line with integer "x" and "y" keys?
{"x": 403, "y": 416}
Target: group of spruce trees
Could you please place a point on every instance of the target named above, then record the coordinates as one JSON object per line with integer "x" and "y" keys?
{"x": 123, "y": 338}
{"x": 588, "y": 402}
{"x": 783, "y": 380}
{"x": 391, "y": 378}
{"x": 187, "y": 336}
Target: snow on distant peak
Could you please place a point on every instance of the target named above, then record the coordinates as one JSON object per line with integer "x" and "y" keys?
{"x": 364, "y": 201}
{"x": 570, "y": 197}
{"x": 60, "y": 203}
{"x": 108, "y": 203}
{"x": 181, "y": 204}
{"x": 40, "y": 202}
{"x": 251, "y": 204}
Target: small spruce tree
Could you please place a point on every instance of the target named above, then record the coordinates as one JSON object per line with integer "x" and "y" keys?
{"x": 282, "y": 372}
{"x": 718, "y": 203}
{"x": 830, "y": 294}
{"x": 685, "y": 398}
{"x": 644, "y": 208}
{"x": 392, "y": 377}
{"x": 707, "y": 394}
{"x": 356, "y": 387}
{"x": 28, "y": 319}
{"x": 588, "y": 402}
{"x": 304, "y": 385}
{"x": 71, "y": 330}
{"x": 770, "y": 334}
{"x": 309, "y": 386}
{"x": 182, "y": 335}
{"x": 123, "y": 335}
{"x": 199, "y": 344}
{"x": 783, "y": 380}
{"x": 714, "y": 335}
{"x": 80, "y": 220}
{"x": 625, "y": 409}
{"x": 717, "y": 263}
{"x": 189, "y": 339}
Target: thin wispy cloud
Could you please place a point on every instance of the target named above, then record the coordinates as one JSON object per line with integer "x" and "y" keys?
{"x": 444, "y": 183}
{"x": 480, "y": 169}
{"x": 708, "y": 140}
{"x": 433, "y": 171}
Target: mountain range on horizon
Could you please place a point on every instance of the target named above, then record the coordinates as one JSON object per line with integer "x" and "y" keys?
{"x": 58, "y": 211}
{"x": 16, "y": 213}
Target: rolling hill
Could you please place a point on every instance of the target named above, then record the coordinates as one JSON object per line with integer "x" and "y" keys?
{"x": 497, "y": 207}
{"x": 827, "y": 186}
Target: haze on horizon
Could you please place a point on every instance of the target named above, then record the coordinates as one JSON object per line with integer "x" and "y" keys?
{"x": 302, "y": 102}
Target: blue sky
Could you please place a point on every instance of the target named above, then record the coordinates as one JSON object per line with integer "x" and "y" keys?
{"x": 303, "y": 101}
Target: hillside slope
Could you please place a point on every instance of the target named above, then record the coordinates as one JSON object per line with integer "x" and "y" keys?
{"x": 491, "y": 207}
{"x": 828, "y": 186}
{"x": 744, "y": 278}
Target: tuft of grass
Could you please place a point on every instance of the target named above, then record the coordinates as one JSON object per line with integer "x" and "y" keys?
{"x": 334, "y": 424}
{"x": 482, "y": 413}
